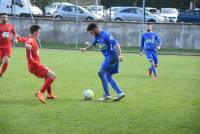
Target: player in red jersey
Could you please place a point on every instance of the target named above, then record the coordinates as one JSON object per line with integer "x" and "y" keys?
{"x": 34, "y": 65}
{"x": 6, "y": 31}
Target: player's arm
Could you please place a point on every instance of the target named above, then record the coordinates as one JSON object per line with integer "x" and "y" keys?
{"x": 119, "y": 51}
{"x": 21, "y": 39}
{"x": 28, "y": 47}
{"x": 142, "y": 46}
{"x": 114, "y": 44}
{"x": 14, "y": 33}
{"x": 87, "y": 48}
{"x": 13, "y": 30}
{"x": 158, "y": 41}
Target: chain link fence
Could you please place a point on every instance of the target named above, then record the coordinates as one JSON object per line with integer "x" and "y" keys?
{"x": 73, "y": 35}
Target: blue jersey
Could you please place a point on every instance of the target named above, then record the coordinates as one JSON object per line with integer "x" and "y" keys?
{"x": 106, "y": 43}
{"x": 149, "y": 41}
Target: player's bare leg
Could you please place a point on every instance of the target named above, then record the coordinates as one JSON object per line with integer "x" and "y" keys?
{"x": 4, "y": 63}
{"x": 40, "y": 96}
{"x": 150, "y": 69}
{"x": 149, "y": 72}
{"x": 52, "y": 76}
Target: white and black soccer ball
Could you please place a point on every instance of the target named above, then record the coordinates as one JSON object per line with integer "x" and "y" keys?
{"x": 88, "y": 94}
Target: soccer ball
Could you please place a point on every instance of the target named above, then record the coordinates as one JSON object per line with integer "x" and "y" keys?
{"x": 88, "y": 94}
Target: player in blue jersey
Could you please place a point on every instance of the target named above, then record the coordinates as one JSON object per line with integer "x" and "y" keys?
{"x": 150, "y": 43}
{"x": 111, "y": 50}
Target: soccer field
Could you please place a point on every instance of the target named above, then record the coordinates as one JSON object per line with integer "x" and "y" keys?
{"x": 168, "y": 105}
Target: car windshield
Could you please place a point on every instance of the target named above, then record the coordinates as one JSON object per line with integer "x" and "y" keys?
{"x": 52, "y": 5}
{"x": 153, "y": 10}
{"x": 169, "y": 10}
{"x": 25, "y": 2}
{"x": 114, "y": 8}
{"x": 94, "y": 8}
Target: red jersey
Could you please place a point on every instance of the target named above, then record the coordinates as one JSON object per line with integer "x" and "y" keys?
{"x": 6, "y": 31}
{"x": 33, "y": 58}
{"x": 33, "y": 54}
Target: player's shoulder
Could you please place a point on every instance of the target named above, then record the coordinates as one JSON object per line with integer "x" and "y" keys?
{"x": 105, "y": 33}
{"x": 154, "y": 33}
{"x": 29, "y": 40}
{"x": 144, "y": 34}
{"x": 10, "y": 25}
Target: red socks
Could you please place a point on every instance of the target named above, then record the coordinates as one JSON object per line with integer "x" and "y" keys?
{"x": 49, "y": 90}
{"x": 3, "y": 69}
{"x": 47, "y": 85}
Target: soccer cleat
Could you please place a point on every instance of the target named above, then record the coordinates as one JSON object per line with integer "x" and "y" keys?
{"x": 119, "y": 97}
{"x": 105, "y": 98}
{"x": 51, "y": 97}
{"x": 40, "y": 96}
{"x": 149, "y": 72}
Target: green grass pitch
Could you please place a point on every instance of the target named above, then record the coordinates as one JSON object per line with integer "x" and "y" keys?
{"x": 168, "y": 105}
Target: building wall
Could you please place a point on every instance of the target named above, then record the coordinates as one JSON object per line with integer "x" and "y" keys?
{"x": 179, "y": 36}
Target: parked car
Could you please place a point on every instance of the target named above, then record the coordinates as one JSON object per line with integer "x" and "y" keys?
{"x": 50, "y": 9}
{"x": 135, "y": 14}
{"x": 153, "y": 10}
{"x": 69, "y": 12}
{"x": 169, "y": 14}
{"x": 110, "y": 11}
{"x": 191, "y": 15}
{"x": 20, "y": 7}
{"x": 98, "y": 10}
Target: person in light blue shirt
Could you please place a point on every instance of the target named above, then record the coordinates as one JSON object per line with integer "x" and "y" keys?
{"x": 150, "y": 43}
{"x": 111, "y": 51}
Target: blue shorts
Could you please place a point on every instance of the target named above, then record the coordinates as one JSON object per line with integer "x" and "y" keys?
{"x": 152, "y": 56}
{"x": 110, "y": 64}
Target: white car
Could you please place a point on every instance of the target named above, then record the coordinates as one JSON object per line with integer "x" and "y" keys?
{"x": 110, "y": 12}
{"x": 98, "y": 10}
{"x": 20, "y": 8}
{"x": 50, "y": 9}
{"x": 135, "y": 14}
{"x": 153, "y": 10}
{"x": 70, "y": 12}
{"x": 170, "y": 14}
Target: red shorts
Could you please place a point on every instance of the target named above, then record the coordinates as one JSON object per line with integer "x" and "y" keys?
{"x": 5, "y": 52}
{"x": 38, "y": 70}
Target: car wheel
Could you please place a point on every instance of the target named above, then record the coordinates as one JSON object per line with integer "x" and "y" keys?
{"x": 118, "y": 19}
{"x": 89, "y": 19}
{"x": 58, "y": 18}
{"x": 151, "y": 20}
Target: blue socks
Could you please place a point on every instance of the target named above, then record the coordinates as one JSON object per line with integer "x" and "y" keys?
{"x": 105, "y": 78}
{"x": 153, "y": 69}
{"x": 113, "y": 84}
{"x": 104, "y": 82}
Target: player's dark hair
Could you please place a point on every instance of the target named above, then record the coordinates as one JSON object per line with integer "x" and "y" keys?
{"x": 1, "y": 14}
{"x": 34, "y": 28}
{"x": 92, "y": 26}
{"x": 148, "y": 23}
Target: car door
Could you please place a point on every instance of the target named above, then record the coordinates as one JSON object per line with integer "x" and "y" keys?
{"x": 125, "y": 14}
{"x": 139, "y": 16}
{"x": 197, "y": 16}
{"x": 189, "y": 16}
{"x": 68, "y": 12}
{"x": 131, "y": 14}
{"x": 136, "y": 14}
{"x": 81, "y": 14}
